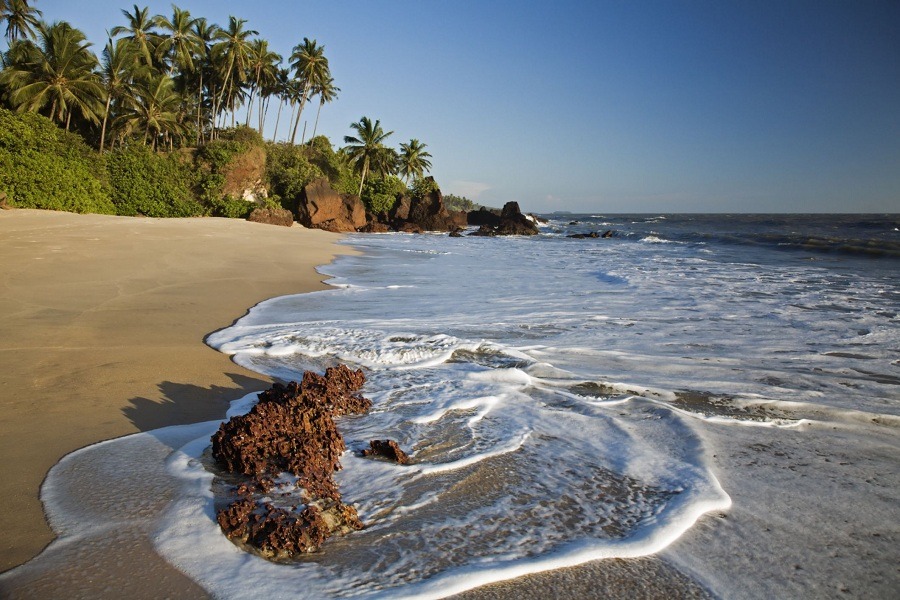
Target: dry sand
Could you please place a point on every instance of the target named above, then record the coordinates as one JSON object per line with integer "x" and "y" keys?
{"x": 102, "y": 333}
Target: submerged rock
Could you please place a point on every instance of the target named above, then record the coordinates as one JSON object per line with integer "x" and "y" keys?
{"x": 388, "y": 449}
{"x": 291, "y": 429}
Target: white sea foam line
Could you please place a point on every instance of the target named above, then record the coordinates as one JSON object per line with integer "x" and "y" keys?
{"x": 483, "y": 402}
{"x": 512, "y": 446}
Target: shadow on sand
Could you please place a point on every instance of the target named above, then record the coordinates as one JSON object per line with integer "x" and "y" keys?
{"x": 182, "y": 403}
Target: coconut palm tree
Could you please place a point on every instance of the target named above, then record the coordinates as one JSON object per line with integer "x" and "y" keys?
{"x": 140, "y": 31}
{"x": 204, "y": 33}
{"x": 21, "y": 20}
{"x": 366, "y": 147}
{"x": 413, "y": 160}
{"x": 311, "y": 67}
{"x": 284, "y": 91}
{"x": 327, "y": 92}
{"x": 233, "y": 50}
{"x": 179, "y": 47}
{"x": 263, "y": 65}
{"x": 117, "y": 73}
{"x": 154, "y": 109}
{"x": 57, "y": 72}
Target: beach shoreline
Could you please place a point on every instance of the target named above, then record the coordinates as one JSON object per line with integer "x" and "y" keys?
{"x": 104, "y": 333}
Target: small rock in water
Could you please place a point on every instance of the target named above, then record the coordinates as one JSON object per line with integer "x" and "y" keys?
{"x": 388, "y": 449}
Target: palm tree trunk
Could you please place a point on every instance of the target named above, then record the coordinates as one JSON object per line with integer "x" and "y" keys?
{"x": 362, "y": 181}
{"x": 316, "y": 126}
{"x": 277, "y": 118}
{"x": 300, "y": 112}
{"x": 103, "y": 129}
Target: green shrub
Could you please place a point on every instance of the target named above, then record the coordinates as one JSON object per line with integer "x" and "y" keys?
{"x": 422, "y": 187}
{"x": 380, "y": 193}
{"x": 334, "y": 165}
{"x": 233, "y": 208}
{"x": 43, "y": 166}
{"x": 242, "y": 135}
{"x": 150, "y": 184}
{"x": 288, "y": 170}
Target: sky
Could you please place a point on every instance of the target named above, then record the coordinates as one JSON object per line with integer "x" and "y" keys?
{"x": 602, "y": 105}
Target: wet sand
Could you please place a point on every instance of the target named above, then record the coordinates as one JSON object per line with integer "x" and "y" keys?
{"x": 102, "y": 333}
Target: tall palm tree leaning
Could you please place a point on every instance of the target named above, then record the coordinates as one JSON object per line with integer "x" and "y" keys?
{"x": 179, "y": 47}
{"x": 328, "y": 92}
{"x": 311, "y": 66}
{"x": 234, "y": 51}
{"x": 140, "y": 31}
{"x": 414, "y": 160}
{"x": 57, "y": 72}
{"x": 366, "y": 146}
{"x": 21, "y": 20}
{"x": 117, "y": 73}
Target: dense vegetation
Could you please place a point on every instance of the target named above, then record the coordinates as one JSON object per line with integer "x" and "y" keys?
{"x": 159, "y": 108}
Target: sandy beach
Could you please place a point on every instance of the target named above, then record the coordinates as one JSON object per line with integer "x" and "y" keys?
{"x": 103, "y": 328}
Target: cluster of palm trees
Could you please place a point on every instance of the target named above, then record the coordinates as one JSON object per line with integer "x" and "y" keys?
{"x": 163, "y": 80}
{"x": 367, "y": 153}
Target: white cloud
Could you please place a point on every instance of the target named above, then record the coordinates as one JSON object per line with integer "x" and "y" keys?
{"x": 467, "y": 189}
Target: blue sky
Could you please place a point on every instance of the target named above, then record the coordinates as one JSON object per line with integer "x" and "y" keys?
{"x": 606, "y": 106}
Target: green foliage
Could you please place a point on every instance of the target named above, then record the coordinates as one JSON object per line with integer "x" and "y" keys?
{"x": 146, "y": 183}
{"x": 242, "y": 135}
{"x": 288, "y": 170}
{"x": 453, "y": 202}
{"x": 380, "y": 193}
{"x": 233, "y": 208}
{"x": 335, "y": 165}
{"x": 42, "y": 166}
{"x": 422, "y": 187}
{"x": 218, "y": 154}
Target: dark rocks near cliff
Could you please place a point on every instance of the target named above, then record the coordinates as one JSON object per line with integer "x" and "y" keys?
{"x": 272, "y": 216}
{"x": 291, "y": 429}
{"x": 510, "y": 221}
{"x": 321, "y": 207}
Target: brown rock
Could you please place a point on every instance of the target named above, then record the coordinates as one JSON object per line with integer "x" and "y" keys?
{"x": 290, "y": 429}
{"x": 272, "y": 216}
{"x": 320, "y": 204}
{"x": 388, "y": 449}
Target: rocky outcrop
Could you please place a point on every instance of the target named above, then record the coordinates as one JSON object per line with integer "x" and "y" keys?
{"x": 483, "y": 216}
{"x": 272, "y": 216}
{"x": 321, "y": 207}
{"x": 388, "y": 449}
{"x": 429, "y": 212}
{"x": 511, "y": 221}
{"x": 291, "y": 429}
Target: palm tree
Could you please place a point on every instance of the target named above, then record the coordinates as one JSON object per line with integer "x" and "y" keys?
{"x": 140, "y": 29}
{"x": 57, "y": 71}
{"x": 21, "y": 20}
{"x": 413, "y": 160}
{"x": 327, "y": 92}
{"x": 263, "y": 64}
{"x": 311, "y": 67}
{"x": 180, "y": 46}
{"x": 234, "y": 52}
{"x": 366, "y": 148}
{"x": 117, "y": 74}
{"x": 284, "y": 91}
{"x": 204, "y": 33}
{"x": 154, "y": 108}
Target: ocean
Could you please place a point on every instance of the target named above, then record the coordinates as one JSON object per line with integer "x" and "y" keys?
{"x": 721, "y": 392}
